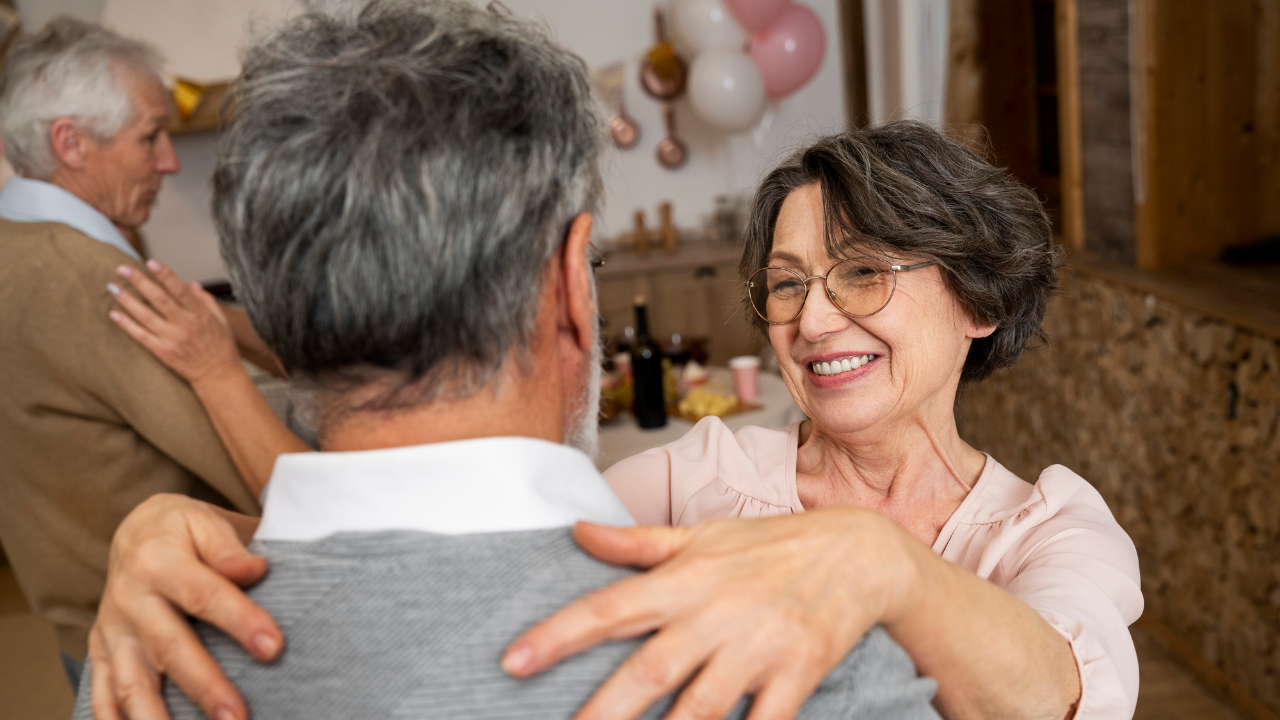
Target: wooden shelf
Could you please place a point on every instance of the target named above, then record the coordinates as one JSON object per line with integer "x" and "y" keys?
{"x": 207, "y": 116}
{"x": 1248, "y": 297}
{"x": 624, "y": 261}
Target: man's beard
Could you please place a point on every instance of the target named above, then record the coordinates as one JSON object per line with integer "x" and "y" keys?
{"x": 583, "y": 430}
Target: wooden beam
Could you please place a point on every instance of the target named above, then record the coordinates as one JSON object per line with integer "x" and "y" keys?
{"x": 854, "y": 42}
{"x": 1069, "y": 139}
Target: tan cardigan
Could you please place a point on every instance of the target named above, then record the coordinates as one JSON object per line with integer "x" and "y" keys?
{"x": 90, "y": 424}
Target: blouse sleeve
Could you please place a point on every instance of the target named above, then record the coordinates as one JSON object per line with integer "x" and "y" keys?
{"x": 643, "y": 483}
{"x": 1065, "y": 555}
{"x": 710, "y": 473}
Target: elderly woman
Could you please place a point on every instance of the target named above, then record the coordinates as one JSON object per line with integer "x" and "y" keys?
{"x": 888, "y": 267}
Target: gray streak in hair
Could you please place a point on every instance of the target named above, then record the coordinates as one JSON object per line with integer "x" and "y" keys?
{"x": 390, "y": 188}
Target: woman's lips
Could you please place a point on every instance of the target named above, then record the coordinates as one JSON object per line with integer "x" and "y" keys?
{"x": 838, "y": 369}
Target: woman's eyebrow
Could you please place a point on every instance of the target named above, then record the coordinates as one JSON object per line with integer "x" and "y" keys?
{"x": 784, "y": 257}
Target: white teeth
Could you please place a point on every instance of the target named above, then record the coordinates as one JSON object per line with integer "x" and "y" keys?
{"x": 844, "y": 365}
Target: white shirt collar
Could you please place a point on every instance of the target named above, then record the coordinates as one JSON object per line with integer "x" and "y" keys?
{"x": 499, "y": 484}
{"x": 27, "y": 200}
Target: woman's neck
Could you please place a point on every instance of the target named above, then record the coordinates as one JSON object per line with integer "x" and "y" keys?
{"x": 914, "y": 471}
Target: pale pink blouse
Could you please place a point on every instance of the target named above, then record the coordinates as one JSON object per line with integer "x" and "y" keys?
{"x": 1054, "y": 544}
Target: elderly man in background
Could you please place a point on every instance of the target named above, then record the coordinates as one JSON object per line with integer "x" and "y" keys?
{"x": 404, "y": 201}
{"x": 91, "y": 424}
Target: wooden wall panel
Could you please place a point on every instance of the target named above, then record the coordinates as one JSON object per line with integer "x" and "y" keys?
{"x": 854, "y": 43}
{"x": 1072, "y": 178}
{"x": 1210, "y": 79}
{"x": 1106, "y": 144}
{"x": 965, "y": 76}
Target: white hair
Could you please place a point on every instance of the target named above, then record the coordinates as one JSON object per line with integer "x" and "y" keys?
{"x": 70, "y": 69}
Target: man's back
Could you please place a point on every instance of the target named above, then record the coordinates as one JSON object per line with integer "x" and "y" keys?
{"x": 410, "y": 624}
{"x": 90, "y": 423}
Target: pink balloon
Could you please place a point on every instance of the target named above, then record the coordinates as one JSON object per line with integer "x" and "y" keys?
{"x": 790, "y": 52}
{"x": 757, "y": 15}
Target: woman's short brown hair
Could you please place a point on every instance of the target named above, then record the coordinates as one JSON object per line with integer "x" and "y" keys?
{"x": 904, "y": 189}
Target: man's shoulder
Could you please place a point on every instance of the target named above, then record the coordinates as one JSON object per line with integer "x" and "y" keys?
{"x": 50, "y": 247}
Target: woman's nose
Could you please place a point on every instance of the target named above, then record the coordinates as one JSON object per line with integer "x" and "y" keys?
{"x": 820, "y": 315}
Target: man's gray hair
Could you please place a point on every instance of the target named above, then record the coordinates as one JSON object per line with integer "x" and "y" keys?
{"x": 391, "y": 187}
{"x": 73, "y": 69}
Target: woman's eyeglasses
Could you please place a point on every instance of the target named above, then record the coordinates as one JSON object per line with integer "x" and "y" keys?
{"x": 859, "y": 286}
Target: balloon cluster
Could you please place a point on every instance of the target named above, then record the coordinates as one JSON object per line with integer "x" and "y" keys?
{"x": 746, "y": 53}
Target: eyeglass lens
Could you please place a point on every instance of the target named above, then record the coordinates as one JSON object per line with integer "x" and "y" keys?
{"x": 858, "y": 286}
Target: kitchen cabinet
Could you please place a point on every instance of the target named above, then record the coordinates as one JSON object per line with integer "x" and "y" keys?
{"x": 695, "y": 292}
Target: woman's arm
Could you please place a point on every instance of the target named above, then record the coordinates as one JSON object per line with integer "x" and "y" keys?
{"x": 185, "y": 328}
{"x": 250, "y": 344}
{"x": 770, "y": 606}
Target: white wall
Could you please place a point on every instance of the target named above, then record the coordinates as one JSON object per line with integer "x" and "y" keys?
{"x": 601, "y": 31}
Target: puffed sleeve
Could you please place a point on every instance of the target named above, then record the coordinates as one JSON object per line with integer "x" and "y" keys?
{"x": 1063, "y": 554}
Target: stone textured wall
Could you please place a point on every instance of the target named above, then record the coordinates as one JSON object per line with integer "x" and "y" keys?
{"x": 1174, "y": 417}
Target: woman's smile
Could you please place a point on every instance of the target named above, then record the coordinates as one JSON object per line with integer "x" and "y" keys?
{"x": 841, "y": 368}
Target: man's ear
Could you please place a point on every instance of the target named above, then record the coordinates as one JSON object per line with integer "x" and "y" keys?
{"x": 70, "y": 146}
{"x": 580, "y": 305}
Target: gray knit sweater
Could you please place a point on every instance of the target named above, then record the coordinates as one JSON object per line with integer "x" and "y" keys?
{"x": 412, "y": 625}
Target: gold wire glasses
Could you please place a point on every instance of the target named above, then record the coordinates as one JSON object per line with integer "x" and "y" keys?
{"x": 859, "y": 286}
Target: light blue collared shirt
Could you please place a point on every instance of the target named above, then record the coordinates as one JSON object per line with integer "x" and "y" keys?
{"x": 27, "y": 200}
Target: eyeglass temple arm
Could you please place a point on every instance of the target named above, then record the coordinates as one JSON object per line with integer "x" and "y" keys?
{"x": 909, "y": 268}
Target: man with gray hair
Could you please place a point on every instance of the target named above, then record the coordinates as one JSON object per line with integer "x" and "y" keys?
{"x": 404, "y": 198}
{"x": 90, "y": 423}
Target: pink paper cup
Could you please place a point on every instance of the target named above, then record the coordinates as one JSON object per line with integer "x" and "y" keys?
{"x": 746, "y": 378}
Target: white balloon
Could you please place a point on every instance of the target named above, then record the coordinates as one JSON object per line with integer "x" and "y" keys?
{"x": 706, "y": 24}
{"x": 726, "y": 89}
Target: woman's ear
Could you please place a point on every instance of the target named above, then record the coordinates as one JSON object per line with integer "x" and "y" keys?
{"x": 978, "y": 330}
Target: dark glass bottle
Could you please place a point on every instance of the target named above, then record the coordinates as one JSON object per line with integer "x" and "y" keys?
{"x": 650, "y": 406}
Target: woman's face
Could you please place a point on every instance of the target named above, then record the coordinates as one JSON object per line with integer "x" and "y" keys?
{"x": 915, "y": 347}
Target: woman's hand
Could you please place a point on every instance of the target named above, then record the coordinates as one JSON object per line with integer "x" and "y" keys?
{"x": 766, "y": 607}
{"x": 183, "y": 326}
{"x": 171, "y": 557}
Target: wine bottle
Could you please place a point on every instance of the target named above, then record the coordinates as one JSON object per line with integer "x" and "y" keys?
{"x": 650, "y": 406}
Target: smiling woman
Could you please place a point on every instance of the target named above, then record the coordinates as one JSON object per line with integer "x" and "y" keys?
{"x": 935, "y": 269}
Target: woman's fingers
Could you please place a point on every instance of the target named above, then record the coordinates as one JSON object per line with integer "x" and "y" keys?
{"x": 634, "y": 546}
{"x": 135, "y": 685}
{"x": 663, "y": 662}
{"x": 138, "y": 310}
{"x": 173, "y": 649}
{"x": 102, "y": 697}
{"x": 782, "y": 696}
{"x": 614, "y": 612}
{"x": 720, "y": 685}
{"x": 157, "y": 563}
{"x": 141, "y": 335}
{"x": 160, "y": 298}
{"x": 170, "y": 281}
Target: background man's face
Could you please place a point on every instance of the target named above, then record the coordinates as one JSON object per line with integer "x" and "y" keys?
{"x": 125, "y": 174}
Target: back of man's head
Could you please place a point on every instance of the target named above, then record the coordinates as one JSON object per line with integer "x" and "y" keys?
{"x": 70, "y": 69}
{"x": 391, "y": 186}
